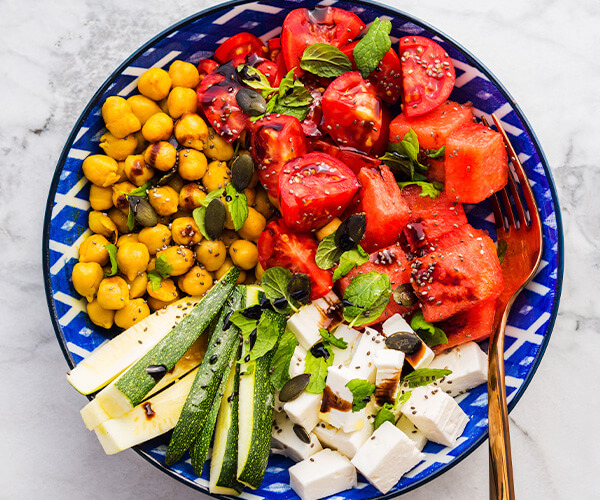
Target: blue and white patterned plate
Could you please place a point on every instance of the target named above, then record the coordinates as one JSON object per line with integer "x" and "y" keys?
{"x": 196, "y": 38}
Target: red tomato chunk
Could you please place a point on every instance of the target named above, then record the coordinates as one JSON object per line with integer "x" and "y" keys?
{"x": 239, "y": 45}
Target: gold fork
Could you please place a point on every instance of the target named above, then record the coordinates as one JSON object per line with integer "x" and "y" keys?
{"x": 522, "y": 234}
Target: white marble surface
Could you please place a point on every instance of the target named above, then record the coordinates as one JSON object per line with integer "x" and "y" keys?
{"x": 55, "y": 54}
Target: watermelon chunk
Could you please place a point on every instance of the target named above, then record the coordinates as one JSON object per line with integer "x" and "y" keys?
{"x": 461, "y": 272}
{"x": 436, "y": 171}
{"x": 476, "y": 163}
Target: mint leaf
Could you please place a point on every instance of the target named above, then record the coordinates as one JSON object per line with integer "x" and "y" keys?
{"x": 300, "y": 113}
{"x": 429, "y": 333}
{"x": 267, "y": 335}
{"x": 424, "y": 376}
{"x": 334, "y": 341}
{"x": 246, "y": 325}
{"x": 130, "y": 219}
{"x": 361, "y": 393}
{"x": 140, "y": 192}
{"x": 280, "y": 365}
{"x": 327, "y": 252}
{"x": 367, "y": 296}
{"x": 384, "y": 415}
{"x": 112, "y": 254}
{"x": 199, "y": 213}
{"x": 162, "y": 267}
{"x": 431, "y": 189}
{"x": 256, "y": 80}
{"x": 433, "y": 153}
{"x": 403, "y": 157}
{"x": 317, "y": 367}
{"x": 238, "y": 206}
{"x": 349, "y": 260}
{"x": 274, "y": 282}
{"x": 402, "y": 398}
{"x": 369, "y": 51}
{"x": 325, "y": 60}
{"x": 155, "y": 279}
{"x": 293, "y": 93}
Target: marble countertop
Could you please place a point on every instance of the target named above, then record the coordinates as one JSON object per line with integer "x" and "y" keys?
{"x": 54, "y": 55}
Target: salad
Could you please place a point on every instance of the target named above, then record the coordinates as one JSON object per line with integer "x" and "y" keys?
{"x": 280, "y": 234}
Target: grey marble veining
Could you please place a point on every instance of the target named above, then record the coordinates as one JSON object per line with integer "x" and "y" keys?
{"x": 54, "y": 55}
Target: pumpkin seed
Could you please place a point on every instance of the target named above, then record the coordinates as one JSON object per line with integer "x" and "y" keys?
{"x": 301, "y": 433}
{"x": 161, "y": 181}
{"x": 242, "y": 171}
{"x": 299, "y": 288}
{"x": 251, "y": 102}
{"x": 406, "y": 342}
{"x": 294, "y": 387}
{"x": 405, "y": 295}
{"x": 215, "y": 218}
{"x": 144, "y": 214}
{"x": 350, "y": 232}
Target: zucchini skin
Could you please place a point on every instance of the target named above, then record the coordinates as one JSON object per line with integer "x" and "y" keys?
{"x": 136, "y": 383}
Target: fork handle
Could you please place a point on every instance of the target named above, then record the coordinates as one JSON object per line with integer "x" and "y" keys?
{"x": 501, "y": 474}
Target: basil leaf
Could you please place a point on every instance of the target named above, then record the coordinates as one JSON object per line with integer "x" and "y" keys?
{"x": 155, "y": 279}
{"x": 431, "y": 189}
{"x": 501, "y": 250}
{"x": 402, "y": 398}
{"x": 369, "y": 51}
{"x": 368, "y": 295}
{"x": 112, "y": 254}
{"x": 274, "y": 282}
{"x": 433, "y": 153}
{"x": 280, "y": 365}
{"x": 425, "y": 376}
{"x": 238, "y": 206}
{"x": 140, "y": 192}
{"x": 327, "y": 253}
{"x": 267, "y": 335}
{"x": 349, "y": 260}
{"x": 334, "y": 341}
{"x": 325, "y": 60}
{"x": 287, "y": 83}
{"x": 300, "y": 113}
{"x": 246, "y": 325}
{"x": 429, "y": 333}
{"x": 256, "y": 80}
{"x": 162, "y": 267}
{"x": 317, "y": 367}
{"x": 384, "y": 415}
{"x": 361, "y": 393}
{"x": 199, "y": 213}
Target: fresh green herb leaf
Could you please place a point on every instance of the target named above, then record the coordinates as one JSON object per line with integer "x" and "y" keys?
{"x": 267, "y": 335}
{"x": 327, "y": 252}
{"x": 361, "y": 393}
{"x": 287, "y": 83}
{"x": 162, "y": 267}
{"x": 155, "y": 279}
{"x": 431, "y": 189}
{"x": 403, "y": 157}
{"x": 333, "y": 340}
{"x": 424, "y": 376}
{"x": 293, "y": 93}
{"x": 300, "y": 113}
{"x": 369, "y": 51}
{"x": 237, "y": 204}
{"x": 384, "y": 415}
{"x": 255, "y": 80}
{"x": 435, "y": 153}
{"x": 130, "y": 219}
{"x": 317, "y": 367}
{"x": 246, "y": 325}
{"x": 199, "y": 213}
{"x": 349, "y": 260}
{"x": 275, "y": 281}
{"x": 368, "y": 295}
{"x": 402, "y": 398}
{"x": 280, "y": 365}
{"x": 140, "y": 192}
{"x": 325, "y": 60}
{"x": 501, "y": 250}
{"x": 429, "y": 333}
{"x": 112, "y": 253}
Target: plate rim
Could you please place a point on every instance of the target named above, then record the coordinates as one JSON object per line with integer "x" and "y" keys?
{"x": 394, "y": 12}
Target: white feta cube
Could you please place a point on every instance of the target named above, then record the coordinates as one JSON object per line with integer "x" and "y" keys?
{"x": 321, "y": 313}
{"x": 362, "y": 364}
{"x": 435, "y": 414}
{"x": 406, "y": 426}
{"x": 424, "y": 356}
{"x": 469, "y": 366}
{"x": 351, "y": 337}
{"x": 388, "y": 369}
{"x": 325, "y": 473}
{"x": 347, "y": 443}
{"x": 386, "y": 456}
{"x": 297, "y": 363}
{"x": 285, "y": 441}
{"x": 337, "y": 401}
{"x": 304, "y": 410}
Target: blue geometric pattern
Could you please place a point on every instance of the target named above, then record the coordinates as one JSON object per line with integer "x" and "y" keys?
{"x": 196, "y": 38}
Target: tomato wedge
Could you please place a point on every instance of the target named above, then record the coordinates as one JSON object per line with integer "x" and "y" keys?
{"x": 304, "y": 27}
{"x": 278, "y": 245}
{"x": 265, "y": 66}
{"x": 352, "y": 158}
{"x": 206, "y": 66}
{"x": 427, "y": 75}
{"x": 313, "y": 189}
{"x": 239, "y": 45}
{"x": 352, "y": 112}
{"x": 275, "y": 140}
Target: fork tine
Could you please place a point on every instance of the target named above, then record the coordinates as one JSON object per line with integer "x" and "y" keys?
{"x": 498, "y": 217}
{"x": 517, "y": 198}
{"x": 508, "y": 208}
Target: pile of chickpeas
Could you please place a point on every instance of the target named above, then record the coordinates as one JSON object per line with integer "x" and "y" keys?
{"x": 159, "y": 137}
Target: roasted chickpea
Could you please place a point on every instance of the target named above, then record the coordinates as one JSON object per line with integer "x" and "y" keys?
{"x": 127, "y": 238}
{"x": 113, "y": 293}
{"x": 192, "y": 164}
{"x": 137, "y": 171}
{"x": 258, "y": 272}
{"x": 100, "y": 197}
{"x": 92, "y": 249}
{"x": 253, "y": 226}
{"x": 190, "y": 196}
{"x": 116, "y": 148}
{"x": 250, "y": 196}
{"x": 155, "y": 238}
{"x": 196, "y": 281}
{"x": 101, "y": 170}
{"x": 185, "y": 231}
{"x": 159, "y": 127}
{"x": 328, "y": 229}
{"x": 86, "y": 279}
{"x": 228, "y": 237}
{"x": 124, "y": 126}
{"x": 134, "y": 312}
{"x": 120, "y": 220}
{"x": 274, "y": 201}
{"x": 176, "y": 182}
{"x": 244, "y": 254}
{"x": 182, "y": 100}
{"x": 216, "y": 176}
{"x": 263, "y": 205}
{"x": 132, "y": 259}
{"x": 156, "y": 304}
{"x": 137, "y": 286}
{"x": 211, "y": 254}
{"x": 142, "y": 107}
{"x": 184, "y": 74}
{"x": 180, "y": 258}
{"x": 142, "y": 143}
{"x": 100, "y": 223}
{"x": 162, "y": 104}
{"x": 164, "y": 200}
{"x": 119, "y": 195}
{"x": 151, "y": 265}
{"x": 191, "y": 131}
{"x": 227, "y": 265}
{"x": 99, "y": 316}
{"x": 121, "y": 171}
{"x": 155, "y": 84}
{"x": 165, "y": 292}
{"x": 114, "y": 107}
{"x": 161, "y": 155}
{"x": 218, "y": 148}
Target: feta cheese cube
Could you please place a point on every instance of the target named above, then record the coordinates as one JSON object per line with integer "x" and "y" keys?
{"x": 420, "y": 359}
{"x": 386, "y": 456}
{"x": 336, "y": 409}
{"x": 297, "y": 363}
{"x": 351, "y": 337}
{"x": 325, "y": 473}
{"x": 388, "y": 367}
{"x": 469, "y": 366}
{"x": 321, "y": 313}
{"x": 285, "y": 441}
{"x": 362, "y": 364}
{"x": 304, "y": 410}
{"x": 406, "y": 426}
{"x": 346, "y": 443}
{"x": 435, "y": 414}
